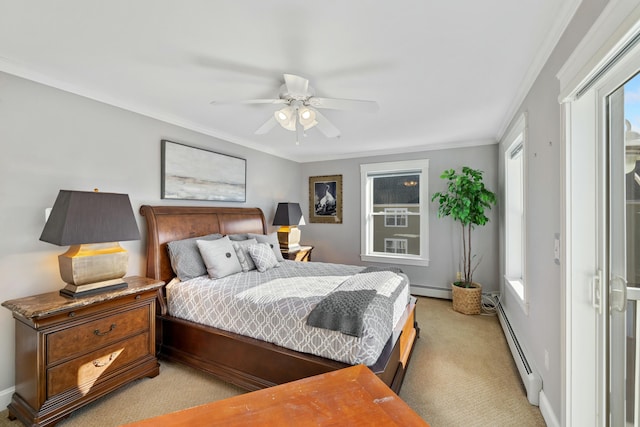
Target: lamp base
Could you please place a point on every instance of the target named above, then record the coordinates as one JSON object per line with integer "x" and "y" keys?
{"x": 289, "y": 238}
{"x": 92, "y": 268}
{"x": 88, "y": 292}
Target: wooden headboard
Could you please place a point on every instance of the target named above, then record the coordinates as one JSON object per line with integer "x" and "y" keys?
{"x": 168, "y": 223}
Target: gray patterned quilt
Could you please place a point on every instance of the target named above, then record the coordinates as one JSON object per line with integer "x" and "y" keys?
{"x": 273, "y": 306}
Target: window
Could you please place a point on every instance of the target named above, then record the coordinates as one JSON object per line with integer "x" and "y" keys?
{"x": 395, "y": 212}
{"x": 515, "y": 209}
{"x": 395, "y": 246}
{"x": 395, "y": 217}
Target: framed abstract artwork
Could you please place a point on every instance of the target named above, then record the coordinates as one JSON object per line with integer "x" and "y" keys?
{"x": 325, "y": 199}
{"x": 190, "y": 173}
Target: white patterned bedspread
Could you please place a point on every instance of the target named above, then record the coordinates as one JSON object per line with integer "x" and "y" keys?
{"x": 273, "y": 306}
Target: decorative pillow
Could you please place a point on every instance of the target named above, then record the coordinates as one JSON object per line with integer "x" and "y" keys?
{"x": 271, "y": 240}
{"x": 242, "y": 250}
{"x": 263, "y": 257}
{"x": 185, "y": 257}
{"x": 219, "y": 257}
{"x": 238, "y": 237}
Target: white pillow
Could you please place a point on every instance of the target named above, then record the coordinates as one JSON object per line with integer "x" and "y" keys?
{"x": 263, "y": 257}
{"x": 185, "y": 257}
{"x": 220, "y": 257}
{"x": 271, "y": 240}
{"x": 242, "y": 250}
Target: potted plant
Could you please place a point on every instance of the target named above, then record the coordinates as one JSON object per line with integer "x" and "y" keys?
{"x": 465, "y": 201}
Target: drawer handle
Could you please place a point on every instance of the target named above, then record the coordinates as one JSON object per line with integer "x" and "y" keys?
{"x": 99, "y": 364}
{"x": 101, "y": 334}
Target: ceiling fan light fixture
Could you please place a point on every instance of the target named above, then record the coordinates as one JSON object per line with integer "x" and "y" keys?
{"x": 305, "y": 114}
{"x": 302, "y": 109}
{"x": 307, "y": 117}
{"x": 286, "y": 117}
{"x": 282, "y": 116}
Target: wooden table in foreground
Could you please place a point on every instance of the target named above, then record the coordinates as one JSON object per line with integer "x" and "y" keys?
{"x": 352, "y": 396}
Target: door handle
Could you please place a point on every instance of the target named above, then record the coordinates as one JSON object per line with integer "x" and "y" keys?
{"x": 618, "y": 293}
{"x": 596, "y": 291}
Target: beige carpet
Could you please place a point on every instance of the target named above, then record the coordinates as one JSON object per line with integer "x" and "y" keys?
{"x": 461, "y": 374}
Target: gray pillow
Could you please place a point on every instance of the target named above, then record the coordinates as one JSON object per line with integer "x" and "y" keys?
{"x": 263, "y": 257}
{"x": 219, "y": 257}
{"x": 242, "y": 250}
{"x": 271, "y": 240}
{"x": 185, "y": 257}
{"x": 238, "y": 237}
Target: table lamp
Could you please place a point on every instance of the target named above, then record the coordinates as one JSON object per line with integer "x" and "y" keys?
{"x": 92, "y": 224}
{"x": 289, "y": 217}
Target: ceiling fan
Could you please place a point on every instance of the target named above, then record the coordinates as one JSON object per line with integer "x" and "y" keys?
{"x": 301, "y": 108}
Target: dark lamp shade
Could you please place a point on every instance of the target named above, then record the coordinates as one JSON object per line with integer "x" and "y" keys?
{"x": 288, "y": 214}
{"x": 80, "y": 217}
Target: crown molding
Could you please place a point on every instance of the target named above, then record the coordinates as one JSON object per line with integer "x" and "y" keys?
{"x": 565, "y": 15}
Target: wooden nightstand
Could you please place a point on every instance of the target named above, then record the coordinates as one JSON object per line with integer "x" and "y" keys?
{"x": 70, "y": 352}
{"x": 302, "y": 254}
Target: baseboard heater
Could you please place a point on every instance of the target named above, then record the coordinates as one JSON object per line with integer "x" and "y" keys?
{"x": 532, "y": 381}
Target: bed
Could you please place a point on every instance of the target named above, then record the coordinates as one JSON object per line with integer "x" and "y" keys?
{"x": 246, "y": 361}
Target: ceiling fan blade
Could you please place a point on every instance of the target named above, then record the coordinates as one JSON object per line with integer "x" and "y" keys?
{"x": 296, "y": 85}
{"x": 267, "y": 126}
{"x": 252, "y": 101}
{"x": 326, "y": 127}
{"x": 344, "y": 104}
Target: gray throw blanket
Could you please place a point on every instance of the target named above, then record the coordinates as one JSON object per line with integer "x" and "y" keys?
{"x": 342, "y": 311}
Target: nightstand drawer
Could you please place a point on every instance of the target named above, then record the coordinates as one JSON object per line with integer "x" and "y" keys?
{"x": 82, "y": 373}
{"x": 98, "y": 333}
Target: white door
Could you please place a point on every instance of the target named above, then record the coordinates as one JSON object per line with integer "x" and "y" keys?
{"x": 602, "y": 215}
{"x": 623, "y": 143}
{"x": 599, "y": 236}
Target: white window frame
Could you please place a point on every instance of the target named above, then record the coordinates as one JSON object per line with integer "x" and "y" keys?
{"x": 397, "y": 244}
{"x": 516, "y": 200}
{"x": 420, "y": 167}
{"x": 395, "y": 214}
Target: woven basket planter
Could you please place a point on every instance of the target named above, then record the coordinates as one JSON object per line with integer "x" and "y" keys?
{"x": 467, "y": 300}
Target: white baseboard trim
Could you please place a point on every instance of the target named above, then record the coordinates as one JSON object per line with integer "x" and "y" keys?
{"x": 5, "y": 396}
{"x": 547, "y": 413}
{"x": 430, "y": 291}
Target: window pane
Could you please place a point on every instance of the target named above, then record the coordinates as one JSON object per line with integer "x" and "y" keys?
{"x": 396, "y": 189}
{"x": 515, "y": 216}
{"x": 396, "y": 195}
{"x": 395, "y": 217}
{"x": 396, "y": 207}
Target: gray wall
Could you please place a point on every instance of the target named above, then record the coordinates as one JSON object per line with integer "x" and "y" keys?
{"x": 54, "y": 140}
{"x": 341, "y": 242}
{"x": 540, "y": 331}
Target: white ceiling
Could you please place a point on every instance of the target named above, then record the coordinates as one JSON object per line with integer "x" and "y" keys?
{"x": 445, "y": 73}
